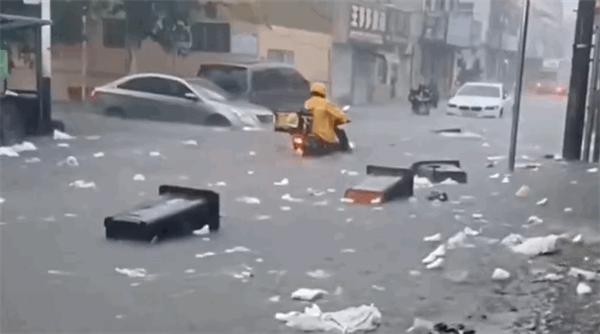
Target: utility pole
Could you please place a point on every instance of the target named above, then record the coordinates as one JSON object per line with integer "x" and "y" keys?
{"x": 45, "y": 89}
{"x": 578, "y": 87}
{"x": 518, "y": 87}
{"x": 592, "y": 100}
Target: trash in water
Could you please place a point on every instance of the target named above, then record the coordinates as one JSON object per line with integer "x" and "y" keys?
{"x": 283, "y": 182}
{"x": 190, "y": 271}
{"x": 422, "y": 182}
{"x": 318, "y": 274}
{"x": 593, "y": 170}
{"x": 568, "y": 210}
{"x": 70, "y": 215}
{"x": 82, "y": 184}
{"x": 275, "y": 299}
{"x": 506, "y": 179}
{"x": 63, "y": 145}
{"x": 577, "y": 239}
{"x": 59, "y": 273}
{"x": 433, "y": 238}
{"x": 542, "y": 202}
{"x": 448, "y": 182}
{"x": 459, "y": 240}
{"x": 500, "y": 274}
{"x": 154, "y": 154}
{"x": 496, "y": 158}
{"x": 346, "y": 200}
{"x": 495, "y": 176}
{"x": 285, "y": 208}
{"x": 534, "y": 220}
{"x": 477, "y": 216}
{"x": 421, "y": 324}
{"x": 263, "y": 217}
{"x": 352, "y": 173}
{"x": 190, "y": 142}
{"x": 351, "y": 320}
{"x": 583, "y": 289}
{"x": 523, "y": 192}
{"x": 250, "y": 172}
{"x": 437, "y": 264}
{"x": 251, "y": 153}
{"x": 455, "y": 328}
{"x": 440, "y": 251}
{"x": 249, "y": 200}
{"x": 203, "y": 255}
{"x": 70, "y": 161}
{"x": 8, "y": 151}
{"x": 205, "y": 230}
{"x": 585, "y": 274}
{"x": 512, "y": 240}
{"x": 238, "y": 249}
{"x": 24, "y": 146}
{"x": 486, "y": 144}
{"x": 537, "y": 245}
{"x": 259, "y": 260}
{"x": 98, "y": 154}
{"x": 32, "y": 160}
{"x": 132, "y": 273}
{"x": 377, "y": 288}
{"x": 465, "y": 135}
{"x": 139, "y": 177}
{"x": 309, "y": 295}
{"x": 289, "y": 198}
{"x": 330, "y": 190}
{"x": 348, "y": 251}
{"x": 376, "y": 200}
{"x": 59, "y": 135}
{"x": 414, "y": 273}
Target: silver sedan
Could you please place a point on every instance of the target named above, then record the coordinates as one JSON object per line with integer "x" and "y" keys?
{"x": 168, "y": 98}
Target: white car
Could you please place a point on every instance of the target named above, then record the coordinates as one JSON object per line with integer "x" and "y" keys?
{"x": 478, "y": 99}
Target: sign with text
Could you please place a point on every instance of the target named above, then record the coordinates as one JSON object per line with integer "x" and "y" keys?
{"x": 367, "y": 24}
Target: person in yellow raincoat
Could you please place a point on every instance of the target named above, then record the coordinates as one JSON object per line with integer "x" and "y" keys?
{"x": 326, "y": 117}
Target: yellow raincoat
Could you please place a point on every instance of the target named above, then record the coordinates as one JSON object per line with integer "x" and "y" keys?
{"x": 326, "y": 115}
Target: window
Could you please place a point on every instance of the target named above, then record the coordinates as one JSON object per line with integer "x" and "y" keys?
{"x": 232, "y": 79}
{"x": 156, "y": 86}
{"x": 278, "y": 79}
{"x": 113, "y": 33}
{"x": 281, "y": 56}
{"x": 211, "y": 37}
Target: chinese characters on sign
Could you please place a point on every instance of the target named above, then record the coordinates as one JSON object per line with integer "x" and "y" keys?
{"x": 367, "y": 19}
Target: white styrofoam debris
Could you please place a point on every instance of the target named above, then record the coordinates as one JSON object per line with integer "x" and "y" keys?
{"x": 248, "y": 200}
{"x": 377, "y": 287}
{"x": 98, "y": 154}
{"x": 351, "y": 320}
{"x": 309, "y": 295}
{"x": 534, "y": 220}
{"x": 414, "y": 273}
{"x": 512, "y": 240}
{"x": 348, "y": 250}
{"x": 496, "y": 158}
{"x": 203, "y": 255}
{"x": 318, "y": 274}
{"x": 352, "y": 173}
{"x": 583, "y": 289}
{"x": 464, "y": 135}
{"x": 205, "y": 230}
{"x": 542, "y": 202}
{"x": 552, "y": 277}
{"x": 440, "y": 251}
{"x": 139, "y": 177}
{"x": 221, "y": 184}
{"x": 477, "y": 216}
{"x": 154, "y": 154}
{"x": 506, "y": 179}
{"x": 346, "y": 200}
{"x": 437, "y": 264}
{"x": 422, "y": 325}
{"x": 449, "y": 182}
{"x": 495, "y": 176}
{"x": 285, "y": 208}
{"x": 189, "y": 271}
{"x": 500, "y": 274}
{"x": 250, "y": 172}
{"x": 59, "y": 135}
{"x": 132, "y": 273}
{"x": 259, "y": 260}
{"x": 376, "y": 200}
{"x": 24, "y": 147}
{"x": 283, "y": 182}
{"x": 82, "y": 184}
{"x": 8, "y": 151}
{"x": 422, "y": 182}
{"x": 586, "y": 274}
{"x": 190, "y": 142}
{"x": 275, "y": 299}
{"x": 459, "y": 240}
{"x": 433, "y": 238}
{"x": 263, "y": 217}
{"x": 523, "y": 192}
{"x": 568, "y": 210}
{"x": 486, "y": 144}
{"x": 63, "y": 145}
{"x": 577, "y": 239}
{"x": 593, "y": 170}
{"x": 537, "y": 245}
{"x": 289, "y": 198}
{"x": 70, "y": 161}
{"x": 70, "y": 215}
{"x": 237, "y": 249}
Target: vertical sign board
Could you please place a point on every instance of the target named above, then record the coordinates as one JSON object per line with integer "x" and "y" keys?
{"x": 367, "y": 24}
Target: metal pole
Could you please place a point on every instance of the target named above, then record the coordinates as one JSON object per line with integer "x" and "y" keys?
{"x": 596, "y": 155}
{"x": 44, "y": 91}
{"x": 575, "y": 120}
{"x": 589, "y": 125}
{"x": 84, "y": 57}
{"x": 518, "y": 87}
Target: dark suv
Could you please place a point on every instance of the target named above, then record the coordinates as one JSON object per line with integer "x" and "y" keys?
{"x": 279, "y": 87}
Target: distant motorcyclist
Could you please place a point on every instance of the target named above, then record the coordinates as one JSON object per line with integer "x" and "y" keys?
{"x": 420, "y": 95}
{"x": 326, "y": 117}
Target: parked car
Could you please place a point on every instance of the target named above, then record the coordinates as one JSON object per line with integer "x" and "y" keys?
{"x": 168, "y": 98}
{"x": 277, "y": 86}
{"x": 549, "y": 87}
{"x": 478, "y": 99}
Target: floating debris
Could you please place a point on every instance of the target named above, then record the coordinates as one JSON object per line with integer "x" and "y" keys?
{"x": 309, "y": 295}
{"x": 283, "y": 182}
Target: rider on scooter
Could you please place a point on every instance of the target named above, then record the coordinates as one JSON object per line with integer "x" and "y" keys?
{"x": 326, "y": 118}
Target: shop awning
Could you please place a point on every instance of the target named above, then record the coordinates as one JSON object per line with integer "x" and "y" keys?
{"x": 12, "y": 22}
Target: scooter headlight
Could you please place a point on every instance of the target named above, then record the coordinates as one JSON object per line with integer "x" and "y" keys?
{"x": 298, "y": 140}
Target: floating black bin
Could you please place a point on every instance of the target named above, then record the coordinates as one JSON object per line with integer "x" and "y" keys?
{"x": 178, "y": 211}
{"x": 382, "y": 184}
{"x": 439, "y": 170}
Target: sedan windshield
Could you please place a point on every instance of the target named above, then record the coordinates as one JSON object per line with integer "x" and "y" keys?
{"x": 479, "y": 90}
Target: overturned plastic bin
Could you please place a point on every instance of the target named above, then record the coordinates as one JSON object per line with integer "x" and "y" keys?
{"x": 440, "y": 170}
{"x": 177, "y": 212}
{"x": 382, "y": 184}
